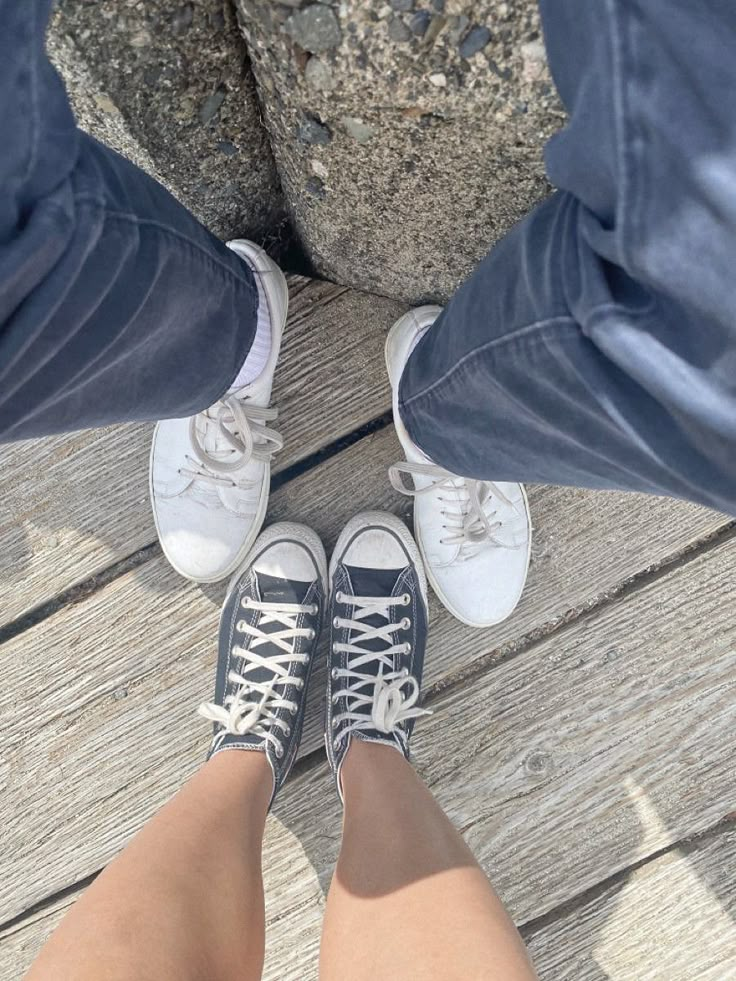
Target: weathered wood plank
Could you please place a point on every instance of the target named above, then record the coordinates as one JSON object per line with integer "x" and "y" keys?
{"x": 673, "y": 919}
{"x": 72, "y": 505}
{"x": 590, "y": 751}
{"x": 132, "y": 661}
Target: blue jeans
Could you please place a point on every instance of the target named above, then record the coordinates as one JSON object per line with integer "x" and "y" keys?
{"x": 115, "y": 303}
{"x": 595, "y": 346}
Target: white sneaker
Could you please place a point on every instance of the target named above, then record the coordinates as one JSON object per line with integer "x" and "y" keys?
{"x": 474, "y": 535}
{"x": 210, "y": 474}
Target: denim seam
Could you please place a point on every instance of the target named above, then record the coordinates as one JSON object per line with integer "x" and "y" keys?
{"x": 520, "y": 333}
{"x": 134, "y": 219}
{"x": 33, "y": 92}
{"x": 605, "y": 309}
{"x": 624, "y": 215}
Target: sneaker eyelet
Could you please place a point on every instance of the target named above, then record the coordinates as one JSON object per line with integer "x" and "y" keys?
{"x": 312, "y": 634}
{"x": 407, "y": 648}
{"x": 279, "y": 753}
{"x": 293, "y": 710}
{"x": 336, "y": 744}
{"x": 245, "y": 603}
{"x": 405, "y": 623}
{"x": 333, "y": 673}
{"x": 335, "y": 699}
{"x": 405, "y": 673}
{"x": 336, "y": 623}
{"x": 240, "y": 626}
{"x": 406, "y": 599}
{"x": 314, "y": 609}
{"x": 287, "y": 731}
{"x": 334, "y": 723}
{"x": 339, "y": 596}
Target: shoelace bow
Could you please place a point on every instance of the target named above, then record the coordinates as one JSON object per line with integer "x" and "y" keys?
{"x": 383, "y": 693}
{"x": 238, "y": 424}
{"x": 253, "y": 708}
{"x": 468, "y": 523}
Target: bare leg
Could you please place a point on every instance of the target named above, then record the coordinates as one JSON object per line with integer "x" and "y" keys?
{"x": 184, "y": 900}
{"x": 408, "y": 900}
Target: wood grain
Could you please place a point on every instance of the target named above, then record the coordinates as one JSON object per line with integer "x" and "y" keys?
{"x": 132, "y": 661}
{"x": 72, "y": 505}
{"x": 592, "y": 750}
{"x": 673, "y": 919}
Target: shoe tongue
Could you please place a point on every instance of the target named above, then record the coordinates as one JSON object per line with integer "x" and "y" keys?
{"x": 274, "y": 589}
{"x": 373, "y": 582}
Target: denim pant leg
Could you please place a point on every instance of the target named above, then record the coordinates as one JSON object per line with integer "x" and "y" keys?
{"x": 596, "y": 345}
{"x": 115, "y": 303}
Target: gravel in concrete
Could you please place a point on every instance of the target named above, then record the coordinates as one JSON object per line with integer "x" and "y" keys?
{"x": 175, "y": 79}
{"x": 458, "y": 116}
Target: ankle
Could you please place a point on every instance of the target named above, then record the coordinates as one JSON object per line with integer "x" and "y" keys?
{"x": 370, "y": 769}
{"x": 247, "y": 772}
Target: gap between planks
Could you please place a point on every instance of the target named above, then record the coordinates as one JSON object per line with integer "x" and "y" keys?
{"x": 626, "y": 728}
{"x": 114, "y": 666}
{"x": 76, "y": 504}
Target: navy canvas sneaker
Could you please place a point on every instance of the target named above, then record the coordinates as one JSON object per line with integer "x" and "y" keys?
{"x": 378, "y": 606}
{"x": 268, "y": 637}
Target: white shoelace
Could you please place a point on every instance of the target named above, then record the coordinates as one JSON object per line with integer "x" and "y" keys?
{"x": 469, "y": 522}
{"x": 383, "y": 693}
{"x": 253, "y": 708}
{"x": 237, "y": 424}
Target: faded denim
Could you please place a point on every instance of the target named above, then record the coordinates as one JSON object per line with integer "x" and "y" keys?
{"x": 596, "y": 345}
{"x": 115, "y": 303}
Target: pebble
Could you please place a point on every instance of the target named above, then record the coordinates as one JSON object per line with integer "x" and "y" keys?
{"x": 403, "y": 6}
{"x": 398, "y": 31}
{"x": 457, "y": 26}
{"x": 420, "y": 22}
{"x": 318, "y": 168}
{"x": 361, "y": 132}
{"x": 141, "y": 39}
{"x": 212, "y": 104}
{"x": 474, "y": 41}
{"x": 439, "y": 6}
{"x": 318, "y": 75}
{"x": 311, "y": 130}
{"x": 315, "y": 28}
{"x": 228, "y": 148}
{"x": 534, "y": 61}
{"x": 434, "y": 30}
{"x": 104, "y": 103}
{"x": 439, "y": 80}
{"x": 316, "y": 187}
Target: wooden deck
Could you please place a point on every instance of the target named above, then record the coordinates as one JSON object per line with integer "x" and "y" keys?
{"x": 585, "y": 748}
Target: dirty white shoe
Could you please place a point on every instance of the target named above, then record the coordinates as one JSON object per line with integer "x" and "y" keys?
{"x": 211, "y": 473}
{"x": 474, "y": 535}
